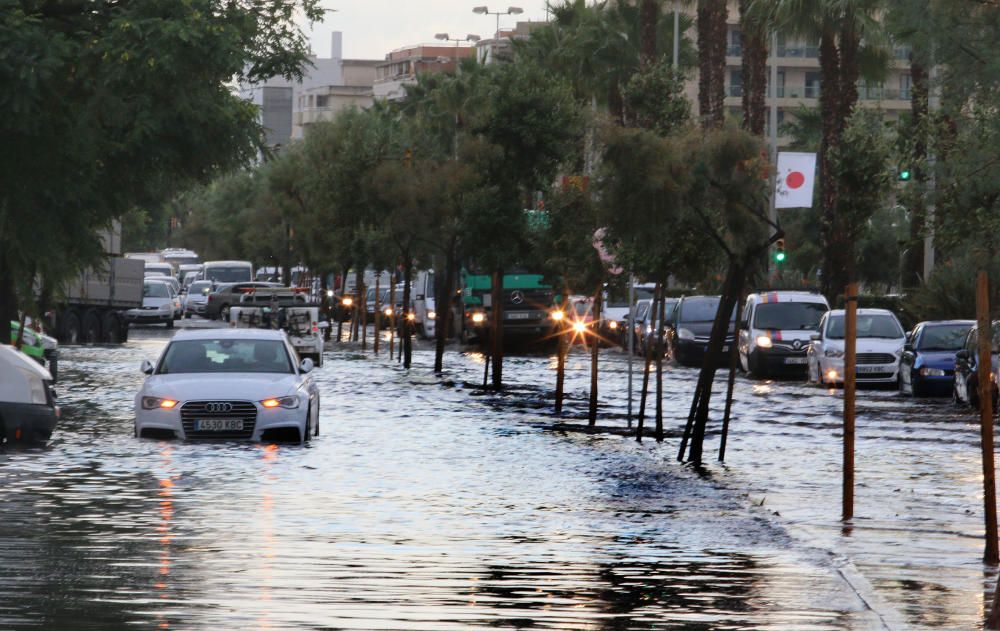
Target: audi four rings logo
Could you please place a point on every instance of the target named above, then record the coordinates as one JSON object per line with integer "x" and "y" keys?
{"x": 219, "y": 407}
{"x": 517, "y": 297}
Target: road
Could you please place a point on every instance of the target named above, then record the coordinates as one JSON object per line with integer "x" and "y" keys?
{"x": 428, "y": 504}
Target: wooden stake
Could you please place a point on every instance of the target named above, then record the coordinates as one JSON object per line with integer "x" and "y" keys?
{"x": 734, "y": 357}
{"x": 561, "y": 360}
{"x": 378, "y": 312}
{"x": 595, "y": 339}
{"x": 392, "y": 314}
{"x": 850, "y": 367}
{"x": 984, "y": 374}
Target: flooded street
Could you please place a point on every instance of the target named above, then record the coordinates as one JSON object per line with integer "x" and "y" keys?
{"x": 426, "y": 504}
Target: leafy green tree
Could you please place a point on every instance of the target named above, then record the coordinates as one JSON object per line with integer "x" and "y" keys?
{"x": 94, "y": 96}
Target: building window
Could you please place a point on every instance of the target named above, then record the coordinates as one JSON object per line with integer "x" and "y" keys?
{"x": 812, "y": 85}
{"x": 734, "y": 46}
{"x": 735, "y": 83}
{"x": 322, "y": 100}
{"x": 905, "y": 86}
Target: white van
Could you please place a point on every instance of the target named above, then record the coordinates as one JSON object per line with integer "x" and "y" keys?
{"x": 776, "y": 328}
{"x": 28, "y": 410}
{"x": 227, "y": 271}
{"x": 158, "y": 269}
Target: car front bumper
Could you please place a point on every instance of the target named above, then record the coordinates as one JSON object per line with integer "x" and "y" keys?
{"x": 266, "y": 419}
{"x": 832, "y": 372}
{"x": 141, "y": 316}
{"x": 25, "y": 422}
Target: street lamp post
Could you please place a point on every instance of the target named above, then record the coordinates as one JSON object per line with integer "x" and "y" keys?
{"x": 458, "y": 40}
{"x": 509, "y": 11}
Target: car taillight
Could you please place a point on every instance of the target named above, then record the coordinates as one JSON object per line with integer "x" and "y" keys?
{"x": 315, "y": 327}
{"x": 211, "y": 297}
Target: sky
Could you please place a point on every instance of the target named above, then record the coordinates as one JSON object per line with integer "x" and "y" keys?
{"x": 372, "y": 28}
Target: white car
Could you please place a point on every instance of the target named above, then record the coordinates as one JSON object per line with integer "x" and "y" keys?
{"x": 775, "y": 330}
{"x": 160, "y": 304}
{"x": 879, "y": 347}
{"x": 226, "y": 384}
{"x": 28, "y": 410}
{"x": 196, "y": 298}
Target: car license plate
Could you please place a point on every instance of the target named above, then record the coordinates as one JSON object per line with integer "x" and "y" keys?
{"x": 725, "y": 349}
{"x": 870, "y": 369}
{"x": 518, "y": 316}
{"x": 219, "y": 425}
{"x": 796, "y": 360}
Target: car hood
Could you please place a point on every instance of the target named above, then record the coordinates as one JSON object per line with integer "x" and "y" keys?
{"x": 701, "y": 329}
{"x": 936, "y": 359}
{"x": 869, "y": 345}
{"x": 221, "y": 386}
{"x": 156, "y": 302}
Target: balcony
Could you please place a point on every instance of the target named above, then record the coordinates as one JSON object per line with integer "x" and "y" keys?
{"x": 878, "y": 93}
{"x": 734, "y": 50}
{"x": 802, "y": 51}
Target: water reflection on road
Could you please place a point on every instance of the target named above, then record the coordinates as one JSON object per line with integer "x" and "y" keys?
{"x": 425, "y": 504}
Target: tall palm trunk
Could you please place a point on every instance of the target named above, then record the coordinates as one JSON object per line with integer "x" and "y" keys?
{"x": 754, "y": 58}
{"x": 712, "y": 61}
{"x": 913, "y": 265}
{"x": 834, "y": 278}
{"x": 649, "y": 16}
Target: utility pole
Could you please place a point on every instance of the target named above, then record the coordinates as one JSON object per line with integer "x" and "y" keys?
{"x": 772, "y": 212}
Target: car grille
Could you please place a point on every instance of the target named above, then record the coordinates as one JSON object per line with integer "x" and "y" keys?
{"x": 872, "y": 376}
{"x": 194, "y": 410}
{"x": 876, "y": 358}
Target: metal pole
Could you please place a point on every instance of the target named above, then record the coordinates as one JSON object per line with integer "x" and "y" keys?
{"x": 631, "y": 341}
{"x": 772, "y": 212}
{"x": 850, "y": 361}
{"x": 933, "y": 104}
{"x": 677, "y": 36}
{"x": 984, "y": 370}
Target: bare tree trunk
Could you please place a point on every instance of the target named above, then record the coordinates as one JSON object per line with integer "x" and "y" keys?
{"x": 392, "y": 314}
{"x": 442, "y": 308}
{"x": 829, "y": 105}
{"x": 8, "y": 299}
{"x": 378, "y": 312}
{"x": 658, "y": 433}
{"x": 735, "y": 279}
{"x": 407, "y": 340}
{"x": 647, "y": 359}
{"x": 325, "y": 305}
{"x": 596, "y": 341}
{"x": 496, "y": 326}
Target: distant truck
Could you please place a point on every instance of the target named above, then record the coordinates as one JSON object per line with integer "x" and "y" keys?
{"x": 527, "y": 306}
{"x": 287, "y": 309}
{"x": 91, "y": 308}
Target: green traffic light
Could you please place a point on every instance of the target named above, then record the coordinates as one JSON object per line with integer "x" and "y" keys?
{"x": 904, "y": 175}
{"x": 779, "y": 257}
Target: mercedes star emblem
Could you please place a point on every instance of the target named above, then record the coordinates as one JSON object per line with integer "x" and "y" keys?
{"x": 517, "y": 296}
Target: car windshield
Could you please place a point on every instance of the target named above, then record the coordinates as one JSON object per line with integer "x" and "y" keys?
{"x": 877, "y": 325}
{"x": 155, "y": 290}
{"x": 225, "y": 355}
{"x": 701, "y": 310}
{"x": 789, "y": 316}
{"x": 200, "y": 287}
{"x": 943, "y": 338}
{"x": 640, "y": 310}
{"x": 228, "y": 274}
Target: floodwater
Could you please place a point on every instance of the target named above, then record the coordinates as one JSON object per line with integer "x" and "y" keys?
{"x": 427, "y": 504}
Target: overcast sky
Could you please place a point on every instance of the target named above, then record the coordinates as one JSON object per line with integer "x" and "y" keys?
{"x": 372, "y": 28}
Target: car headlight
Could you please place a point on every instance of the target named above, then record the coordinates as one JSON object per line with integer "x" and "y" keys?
{"x": 478, "y": 318}
{"x": 387, "y": 311}
{"x": 931, "y": 372}
{"x": 431, "y": 315}
{"x": 612, "y": 325}
{"x": 152, "y": 403}
{"x": 290, "y": 402}
{"x": 685, "y": 334}
{"x": 835, "y": 354}
{"x": 763, "y": 341}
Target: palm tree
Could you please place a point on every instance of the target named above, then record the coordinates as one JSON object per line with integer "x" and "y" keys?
{"x": 712, "y": 62}
{"x": 753, "y": 32}
{"x": 850, "y": 39}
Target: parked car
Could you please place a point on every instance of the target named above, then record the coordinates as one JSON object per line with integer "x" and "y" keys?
{"x": 775, "y": 330}
{"x": 224, "y": 295}
{"x": 28, "y": 410}
{"x": 196, "y": 298}
{"x": 159, "y": 305}
{"x": 689, "y": 328}
{"x": 383, "y": 305}
{"x": 232, "y": 383}
{"x": 639, "y": 322}
{"x": 878, "y": 349}
{"x": 966, "y": 384}
{"x": 927, "y": 367}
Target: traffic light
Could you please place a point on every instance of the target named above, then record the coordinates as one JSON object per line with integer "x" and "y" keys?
{"x": 903, "y": 174}
{"x": 408, "y": 157}
{"x": 779, "y": 251}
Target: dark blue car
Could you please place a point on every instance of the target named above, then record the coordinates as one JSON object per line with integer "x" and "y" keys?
{"x": 927, "y": 367}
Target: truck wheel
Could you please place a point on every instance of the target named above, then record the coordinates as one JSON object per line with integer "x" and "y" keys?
{"x": 112, "y": 329}
{"x": 91, "y": 328}
{"x": 70, "y": 328}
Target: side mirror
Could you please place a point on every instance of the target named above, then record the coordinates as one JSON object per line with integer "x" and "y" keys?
{"x": 744, "y": 324}
{"x": 146, "y": 367}
{"x": 815, "y": 337}
{"x": 306, "y": 365}
{"x": 962, "y": 354}
{"x": 908, "y": 347}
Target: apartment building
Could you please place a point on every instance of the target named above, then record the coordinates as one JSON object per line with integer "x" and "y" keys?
{"x": 402, "y": 66}
{"x": 798, "y": 81}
